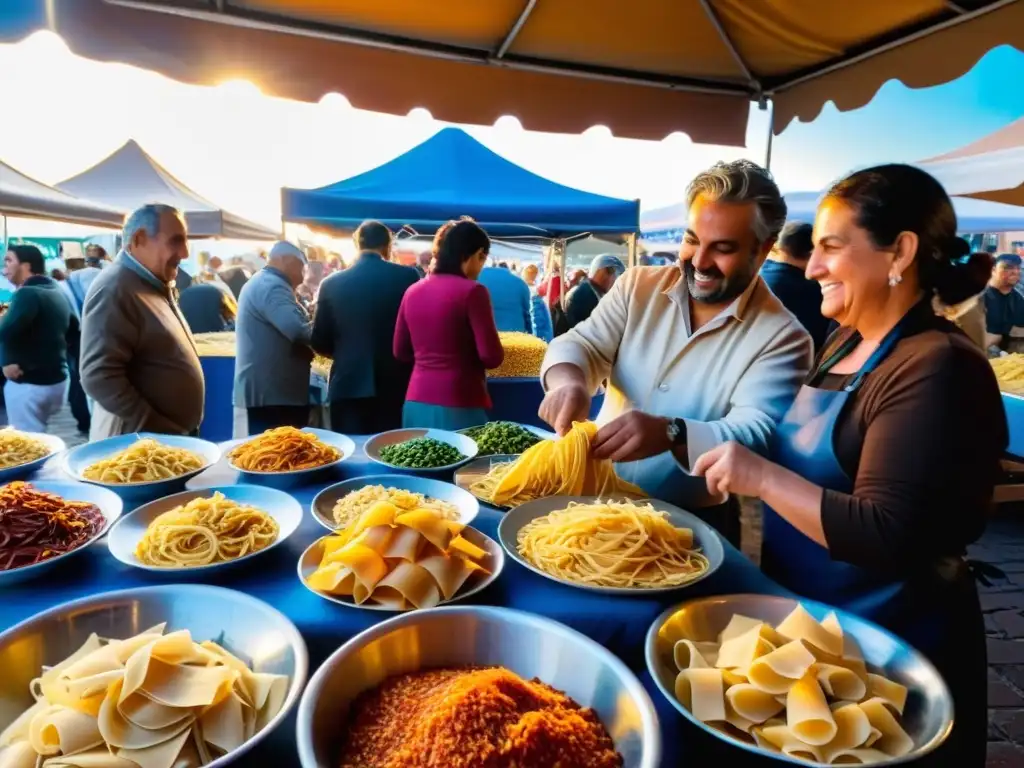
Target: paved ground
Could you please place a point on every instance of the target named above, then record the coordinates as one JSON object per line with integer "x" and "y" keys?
{"x": 1003, "y": 603}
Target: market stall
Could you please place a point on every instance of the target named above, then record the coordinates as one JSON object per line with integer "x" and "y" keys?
{"x": 618, "y": 623}
{"x": 515, "y": 388}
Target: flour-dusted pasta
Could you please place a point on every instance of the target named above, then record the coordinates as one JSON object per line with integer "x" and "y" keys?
{"x": 801, "y": 688}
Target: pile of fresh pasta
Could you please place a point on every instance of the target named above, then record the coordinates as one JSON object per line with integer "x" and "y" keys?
{"x": 801, "y": 688}
{"x": 561, "y": 467}
{"x": 524, "y": 355}
{"x": 154, "y": 699}
{"x": 1009, "y": 371}
{"x": 144, "y": 461}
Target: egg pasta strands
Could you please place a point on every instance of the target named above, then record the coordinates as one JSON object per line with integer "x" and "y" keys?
{"x": 154, "y": 700}
{"x": 801, "y": 688}
{"x": 205, "y": 531}
{"x": 145, "y": 461}
{"x": 612, "y": 544}
{"x": 561, "y": 467}
{"x": 284, "y": 449}
{"x": 17, "y": 448}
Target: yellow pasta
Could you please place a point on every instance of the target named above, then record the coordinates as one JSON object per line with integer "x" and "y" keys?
{"x": 611, "y": 544}
{"x": 350, "y": 507}
{"x": 149, "y": 701}
{"x": 205, "y": 531}
{"x": 561, "y": 467}
{"x": 1009, "y": 371}
{"x": 801, "y": 688}
{"x": 524, "y": 355}
{"x": 284, "y": 449}
{"x": 144, "y": 461}
{"x": 17, "y": 448}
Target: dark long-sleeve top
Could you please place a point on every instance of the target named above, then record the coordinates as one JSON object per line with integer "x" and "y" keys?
{"x": 923, "y": 437}
{"x": 446, "y": 329}
{"x": 1003, "y": 311}
{"x": 34, "y": 332}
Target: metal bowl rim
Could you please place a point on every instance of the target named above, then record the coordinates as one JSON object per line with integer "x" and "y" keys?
{"x": 650, "y": 660}
{"x": 504, "y": 525}
{"x": 225, "y": 489}
{"x": 379, "y": 480}
{"x": 446, "y": 468}
{"x": 314, "y": 690}
{"x": 66, "y": 466}
{"x": 498, "y": 553}
{"x": 116, "y": 503}
{"x": 347, "y": 447}
{"x": 296, "y": 684}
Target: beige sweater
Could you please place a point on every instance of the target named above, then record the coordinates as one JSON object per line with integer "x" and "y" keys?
{"x": 139, "y": 363}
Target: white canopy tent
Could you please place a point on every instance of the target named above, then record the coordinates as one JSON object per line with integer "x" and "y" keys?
{"x": 130, "y": 178}
{"x": 23, "y": 196}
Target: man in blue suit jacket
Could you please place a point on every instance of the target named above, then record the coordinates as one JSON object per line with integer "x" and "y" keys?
{"x": 354, "y": 325}
{"x": 510, "y": 297}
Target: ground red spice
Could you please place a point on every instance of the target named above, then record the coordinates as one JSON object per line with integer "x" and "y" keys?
{"x": 473, "y": 718}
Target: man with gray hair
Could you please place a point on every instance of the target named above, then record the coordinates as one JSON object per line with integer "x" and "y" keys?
{"x": 273, "y": 355}
{"x": 695, "y": 355}
{"x": 139, "y": 362}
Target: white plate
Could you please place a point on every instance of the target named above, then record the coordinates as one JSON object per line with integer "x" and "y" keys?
{"x": 466, "y": 446}
{"x": 705, "y": 538}
{"x": 125, "y": 536}
{"x": 323, "y": 502}
{"x": 78, "y": 459}
{"x": 292, "y": 478}
{"x": 109, "y": 504}
{"x": 18, "y": 471}
{"x": 494, "y": 562}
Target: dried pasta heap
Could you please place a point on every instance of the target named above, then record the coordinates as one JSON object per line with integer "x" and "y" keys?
{"x": 561, "y": 467}
{"x": 524, "y": 354}
{"x": 400, "y": 560}
{"x": 802, "y": 688}
{"x": 150, "y": 701}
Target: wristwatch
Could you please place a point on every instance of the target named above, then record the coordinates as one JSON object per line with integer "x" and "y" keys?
{"x": 676, "y": 432}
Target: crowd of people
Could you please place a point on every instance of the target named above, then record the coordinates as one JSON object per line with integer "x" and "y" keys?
{"x": 875, "y": 447}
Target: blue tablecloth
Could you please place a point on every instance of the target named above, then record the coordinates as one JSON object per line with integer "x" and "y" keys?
{"x": 618, "y": 623}
{"x": 515, "y": 399}
{"x": 1014, "y": 406}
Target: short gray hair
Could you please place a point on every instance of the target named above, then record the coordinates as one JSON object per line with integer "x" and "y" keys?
{"x": 742, "y": 181}
{"x": 145, "y": 218}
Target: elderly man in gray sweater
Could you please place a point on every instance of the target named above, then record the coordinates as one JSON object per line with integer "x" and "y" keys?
{"x": 273, "y": 354}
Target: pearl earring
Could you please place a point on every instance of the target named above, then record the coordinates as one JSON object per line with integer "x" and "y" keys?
{"x": 895, "y": 280}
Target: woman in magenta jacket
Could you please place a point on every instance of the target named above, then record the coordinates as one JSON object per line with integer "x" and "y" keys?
{"x": 446, "y": 330}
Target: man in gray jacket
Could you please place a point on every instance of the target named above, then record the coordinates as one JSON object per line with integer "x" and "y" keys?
{"x": 139, "y": 362}
{"x": 273, "y": 353}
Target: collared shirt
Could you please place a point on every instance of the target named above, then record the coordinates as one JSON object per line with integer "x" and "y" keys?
{"x": 732, "y": 379}
{"x": 136, "y": 266}
{"x": 1003, "y": 311}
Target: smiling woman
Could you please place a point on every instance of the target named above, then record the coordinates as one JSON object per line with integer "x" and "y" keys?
{"x": 882, "y": 471}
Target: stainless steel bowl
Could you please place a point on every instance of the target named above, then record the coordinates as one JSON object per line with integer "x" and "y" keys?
{"x": 247, "y": 627}
{"x": 323, "y": 503}
{"x": 18, "y": 471}
{"x": 706, "y": 539}
{"x": 528, "y": 645}
{"x": 494, "y": 563}
{"x": 129, "y": 530}
{"x": 77, "y": 460}
{"x": 466, "y": 445}
{"x": 107, "y": 502}
{"x": 293, "y": 478}
{"x": 928, "y": 718}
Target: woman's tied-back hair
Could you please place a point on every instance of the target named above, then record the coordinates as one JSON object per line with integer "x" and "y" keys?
{"x": 742, "y": 181}
{"x": 894, "y": 198}
{"x": 455, "y": 242}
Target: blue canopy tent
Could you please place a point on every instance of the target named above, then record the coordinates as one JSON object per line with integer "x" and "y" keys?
{"x": 973, "y": 216}
{"x": 451, "y": 174}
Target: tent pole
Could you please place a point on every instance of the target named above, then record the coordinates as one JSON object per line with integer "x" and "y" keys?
{"x": 769, "y": 105}
{"x": 631, "y": 244}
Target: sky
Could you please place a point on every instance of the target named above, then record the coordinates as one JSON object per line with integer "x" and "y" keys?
{"x": 237, "y": 147}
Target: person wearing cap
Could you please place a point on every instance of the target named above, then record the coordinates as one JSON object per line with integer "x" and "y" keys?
{"x": 582, "y": 299}
{"x": 273, "y": 344}
{"x": 1004, "y": 306}
{"x": 784, "y": 272}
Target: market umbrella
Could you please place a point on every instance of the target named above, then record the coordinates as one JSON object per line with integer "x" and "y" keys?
{"x": 991, "y": 168}
{"x": 644, "y": 68}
